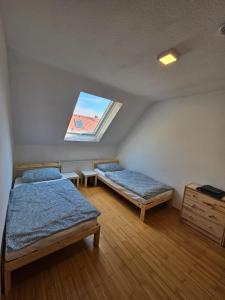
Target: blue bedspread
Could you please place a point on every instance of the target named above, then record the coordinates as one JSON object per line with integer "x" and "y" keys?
{"x": 142, "y": 185}
{"x": 38, "y": 210}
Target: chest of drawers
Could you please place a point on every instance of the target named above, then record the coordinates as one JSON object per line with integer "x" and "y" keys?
{"x": 204, "y": 213}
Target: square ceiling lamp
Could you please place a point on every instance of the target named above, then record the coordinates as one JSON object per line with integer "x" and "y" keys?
{"x": 168, "y": 57}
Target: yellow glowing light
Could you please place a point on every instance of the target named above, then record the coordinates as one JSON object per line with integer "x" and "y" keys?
{"x": 168, "y": 58}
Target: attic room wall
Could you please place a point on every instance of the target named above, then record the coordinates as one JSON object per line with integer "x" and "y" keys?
{"x": 180, "y": 141}
{"x": 43, "y": 99}
{"x": 38, "y": 153}
{"x": 5, "y": 137}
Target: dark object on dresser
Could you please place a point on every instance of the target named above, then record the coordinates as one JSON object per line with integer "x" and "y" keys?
{"x": 212, "y": 191}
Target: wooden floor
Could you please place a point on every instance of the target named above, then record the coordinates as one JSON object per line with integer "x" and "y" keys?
{"x": 161, "y": 259}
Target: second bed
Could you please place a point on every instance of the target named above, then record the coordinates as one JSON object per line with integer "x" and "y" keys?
{"x": 157, "y": 192}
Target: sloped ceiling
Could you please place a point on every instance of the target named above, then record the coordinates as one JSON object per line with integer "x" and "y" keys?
{"x": 59, "y": 47}
{"x": 116, "y": 42}
{"x": 43, "y": 100}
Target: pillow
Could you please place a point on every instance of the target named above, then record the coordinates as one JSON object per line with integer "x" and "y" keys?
{"x": 41, "y": 174}
{"x": 110, "y": 167}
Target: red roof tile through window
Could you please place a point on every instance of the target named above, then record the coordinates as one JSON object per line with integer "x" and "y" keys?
{"x": 82, "y": 124}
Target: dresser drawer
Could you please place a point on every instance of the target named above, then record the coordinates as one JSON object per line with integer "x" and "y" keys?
{"x": 191, "y": 194}
{"x": 214, "y": 229}
{"x": 216, "y": 205}
{"x": 198, "y": 207}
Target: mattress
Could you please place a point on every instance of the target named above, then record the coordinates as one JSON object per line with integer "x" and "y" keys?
{"x": 140, "y": 184}
{"x": 45, "y": 242}
{"x": 38, "y": 210}
{"x": 131, "y": 195}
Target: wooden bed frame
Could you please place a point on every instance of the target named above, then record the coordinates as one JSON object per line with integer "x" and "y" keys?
{"x": 50, "y": 244}
{"x": 144, "y": 207}
{"x": 19, "y": 168}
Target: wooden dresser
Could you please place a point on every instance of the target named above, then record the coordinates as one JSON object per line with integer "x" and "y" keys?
{"x": 204, "y": 213}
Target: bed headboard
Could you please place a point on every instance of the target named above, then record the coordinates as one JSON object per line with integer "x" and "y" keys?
{"x": 19, "y": 168}
{"x": 104, "y": 161}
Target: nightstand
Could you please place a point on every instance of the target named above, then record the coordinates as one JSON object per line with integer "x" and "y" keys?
{"x": 74, "y": 177}
{"x": 88, "y": 174}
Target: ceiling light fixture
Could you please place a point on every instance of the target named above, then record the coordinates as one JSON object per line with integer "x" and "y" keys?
{"x": 168, "y": 57}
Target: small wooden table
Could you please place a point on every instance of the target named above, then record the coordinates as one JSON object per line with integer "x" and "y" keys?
{"x": 87, "y": 174}
{"x": 73, "y": 176}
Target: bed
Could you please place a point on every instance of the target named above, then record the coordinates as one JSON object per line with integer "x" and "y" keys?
{"x": 44, "y": 217}
{"x": 144, "y": 203}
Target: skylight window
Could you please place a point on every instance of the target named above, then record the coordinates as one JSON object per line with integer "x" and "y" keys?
{"x": 91, "y": 117}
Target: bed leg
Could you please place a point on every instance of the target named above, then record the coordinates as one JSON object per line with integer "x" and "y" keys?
{"x": 142, "y": 214}
{"x": 97, "y": 237}
{"x": 170, "y": 203}
{"x": 7, "y": 281}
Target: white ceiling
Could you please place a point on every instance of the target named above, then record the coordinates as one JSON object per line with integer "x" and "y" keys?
{"x": 116, "y": 42}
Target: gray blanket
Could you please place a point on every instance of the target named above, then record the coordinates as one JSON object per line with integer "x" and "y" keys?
{"x": 140, "y": 184}
{"x": 38, "y": 210}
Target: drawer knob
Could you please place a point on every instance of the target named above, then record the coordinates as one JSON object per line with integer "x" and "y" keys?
{"x": 197, "y": 207}
{"x": 209, "y": 204}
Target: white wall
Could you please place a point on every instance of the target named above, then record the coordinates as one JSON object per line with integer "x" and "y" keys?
{"x": 43, "y": 99}
{"x": 180, "y": 141}
{"x": 41, "y": 153}
{"x": 5, "y": 136}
